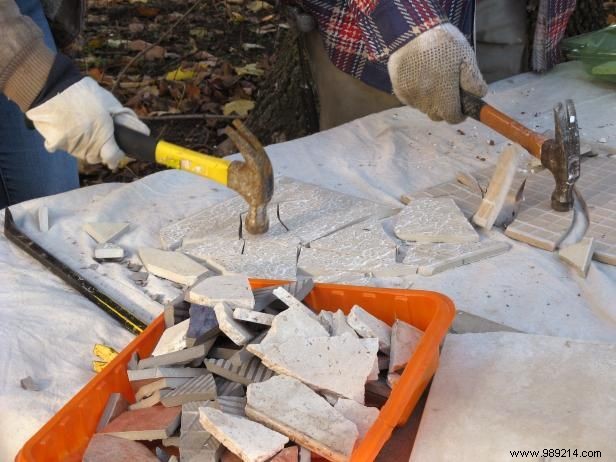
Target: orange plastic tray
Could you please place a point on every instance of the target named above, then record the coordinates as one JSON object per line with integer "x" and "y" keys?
{"x": 65, "y": 437}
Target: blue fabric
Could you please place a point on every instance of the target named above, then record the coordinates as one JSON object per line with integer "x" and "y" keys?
{"x": 28, "y": 170}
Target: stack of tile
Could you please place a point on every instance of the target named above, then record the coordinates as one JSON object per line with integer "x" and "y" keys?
{"x": 254, "y": 375}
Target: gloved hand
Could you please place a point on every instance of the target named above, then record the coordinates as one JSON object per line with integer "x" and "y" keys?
{"x": 80, "y": 121}
{"x": 428, "y": 72}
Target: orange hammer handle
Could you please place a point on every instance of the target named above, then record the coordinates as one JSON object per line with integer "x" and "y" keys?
{"x": 479, "y": 110}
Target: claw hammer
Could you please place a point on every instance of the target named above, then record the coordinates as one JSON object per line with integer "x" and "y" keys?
{"x": 253, "y": 179}
{"x": 560, "y": 155}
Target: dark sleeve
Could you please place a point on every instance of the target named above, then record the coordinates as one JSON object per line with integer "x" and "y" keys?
{"x": 62, "y": 75}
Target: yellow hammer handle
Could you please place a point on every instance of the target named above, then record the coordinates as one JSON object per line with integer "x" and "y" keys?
{"x": 181, "y": 158}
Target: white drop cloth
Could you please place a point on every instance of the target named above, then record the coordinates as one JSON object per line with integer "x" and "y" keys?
{"x": 48, "y": 331}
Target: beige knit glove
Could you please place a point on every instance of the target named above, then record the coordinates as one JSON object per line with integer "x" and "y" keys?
{"x": 428, "y": 72}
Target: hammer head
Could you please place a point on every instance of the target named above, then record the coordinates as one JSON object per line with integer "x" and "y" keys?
{"x": 561, "y": 155}
{"x": 253, "y": 179}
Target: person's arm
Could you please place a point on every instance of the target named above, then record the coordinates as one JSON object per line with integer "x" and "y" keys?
{"x": 72, "y": 113}
{"x": 25, "y": 61}
{"x": 429, "y": 60}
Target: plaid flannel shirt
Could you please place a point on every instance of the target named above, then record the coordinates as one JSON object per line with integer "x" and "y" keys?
{"x": 360, "y": 35}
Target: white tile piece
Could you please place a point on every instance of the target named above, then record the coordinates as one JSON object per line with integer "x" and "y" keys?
{"x": 242, "y": 314}
{"x": 292, "y": 408}
{"x": 326, "y": 318}
{"x": 434, "y": 220}
{"x": 579, "y": 255}
{"x": 367, "y": 325}
{"x": 362, "y": 416}
{"x": 340, "y": 325}
{"x": 249, "y": 440}
{"x": 172, "y": 339}
{"x": 236, "y": 331}
{"x": 498, "y": 392}
{"x": 43, "y": 218}
{"x": 104, "y": 231}
{"x": 173, "y": 266}
{"x": 370, "y": 344}
{"x": 283, "y": 295}
{"x": 339, "y": 365}
{"x": 108, "y": 251}
{"x": 293, "y": 322}
{"x": 499, "y": 187}
{"x": 430, "y": 259}
{"x": 404, "y": 341}
{"x": 233, "y": 289}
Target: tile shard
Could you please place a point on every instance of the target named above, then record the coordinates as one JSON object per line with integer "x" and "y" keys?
{"x": 339, "y": 365}
{"x": 108, "y": 251}
{"x": 362, "y": 416}
{"x": 294, "y": 322}
{"x": 255, "y": 317}
{"x": 433, "y": 220}
{"x": 250, "y": 372}
{"x": 287, "y": 405}
{"x": 116, "y": 405}
{"x": 233, "y": 289}
{"x": 367, "y": 325}
{"x": 174, "y": 266}
{"x": 104, "y": 231}
{"x": 201, "y": 388}
{"x": 152, "y": 423}
{"x": 250, "y": 440}
{"x": 579, "y": 255}
{"x": 236, "y": 331}
{"x": 107, "y": 448}
{"x": 177, "y": 358}
{"x": 172, "y": 339}
{"x": 499, "y": 186}
{"x": 404, "y": 341}
{"x": 340, "y": 325}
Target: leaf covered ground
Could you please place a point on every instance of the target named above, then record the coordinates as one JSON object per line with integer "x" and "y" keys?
{"x": 187, "y": 68}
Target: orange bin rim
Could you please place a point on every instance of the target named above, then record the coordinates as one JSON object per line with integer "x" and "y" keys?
{"x": 65, "y": 436}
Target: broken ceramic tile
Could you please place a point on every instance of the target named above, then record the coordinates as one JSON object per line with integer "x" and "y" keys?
{"x": 107, "y": 448}
{"x": 434, "y": 220}
{"x": 291, "y": 301}
{"x": 108, "y": 251}
{"x": 235, "y": 405}
{"x": 326, "y": 318}
{"x": 298, "y": 289}
{"x": 370, "y": 344}
{"x": 203, "y": 325}
{"x": 226, "y": 387}
{"x": 367, "y": 325}
{"x": 340, "y": 325}
{"x": 339, "y": 365}
{"x": 392, "y": 379}
{"x": 141, "y": 377}
{"x": 150, "y": 401}
{"x": 236, "y": 331}
{"x": 197, "y": 444}
{"x": 255, "y": 317}
{"x": 378, "y": 389}
{"x": 250, "y": 440}
{"x": 105, "y": 231}
{"x": 172, "y": 339}
{"x": 294, "y": 322}
{"x": 404, "y": 341}
{"x": 224, "y": 352}
{"x": 362, "y": 416}
{"x": 249, "y": 372}
{"x": 173, "y": 266}
{"x": 579, "y": 255}
{"x": 177, "y": 358}
{"x": 201, "y": 388}
{"x": 43, "y": 218}
{"x": 304, "y": 455}
{"x": 233, "y": 289}
{"x": 116, "y": 405}
{"x": 159, "y": 384}
{"x": 499, "y": 186}
{"x": 436, "y": 258}
{"x": 288, "y": 454}
{"x": 139, "y": 276}
{"x": 28, "y": 384}
{"x": 292, "y": 408}
{"x": 152, "y": 423}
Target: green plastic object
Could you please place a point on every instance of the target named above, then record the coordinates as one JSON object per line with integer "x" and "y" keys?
{"x": 597, "y": 50}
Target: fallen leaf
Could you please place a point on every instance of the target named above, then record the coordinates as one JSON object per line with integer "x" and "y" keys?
{"x": 240, "y": 106}
{"x": 147, "y": 11}
{"x": 138, "y": 45}
{"x": 198, "y": 32}
{"x": 156, "y": 52}
{"x": 135, "y": 27}
{"x": 249, "y": 69}
{"x": 258, "y": 5}
{"x": 180, "y": 74}
{"x": 251, "y": 46}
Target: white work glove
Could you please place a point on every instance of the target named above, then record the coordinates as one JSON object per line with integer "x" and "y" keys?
{"x": 80, "y": 121}
{"x": 428, "y": 72}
